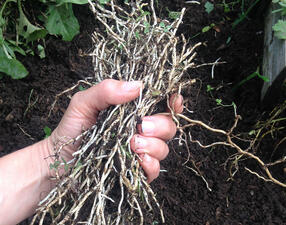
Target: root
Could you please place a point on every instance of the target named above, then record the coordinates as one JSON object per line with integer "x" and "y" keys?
{"x": 104, "y": 183}
{"x": 105, "y": 178}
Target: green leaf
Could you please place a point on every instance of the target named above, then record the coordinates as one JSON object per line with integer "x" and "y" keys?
{"x": 61, "y": 21}
{"x": 264, "y": 78}
{"x": 209, "y": 7}
{"x": 102, "y": 2}
{"x": 162, "y": 24}
{"x": 12, "y": 67}
{"x": 147, "y": 27}
{"x": 66, "y": 166}
{"x": 81, "y": 88}
{"x": 55, "y": 165}
{"x": 206, "y": 29}
{"x": 209, "y": 88}
{"x": 78, "y": 2}
{"x": 48, "y": 131}
{"x": 1, "y": 37}
{"x": 41, "y": 51}
{"x": 13, "y": 45}
{"x": 218, "y": 101}
{"x": 280, "y": 29}
{"x": 137, "y": 35}
{"x": 28, "y": 30}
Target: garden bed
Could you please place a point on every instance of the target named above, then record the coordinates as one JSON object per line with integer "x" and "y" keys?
{"x": 185, "y": 197}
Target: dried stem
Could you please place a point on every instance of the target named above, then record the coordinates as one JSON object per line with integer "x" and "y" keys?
{"x": 105, "y": 177}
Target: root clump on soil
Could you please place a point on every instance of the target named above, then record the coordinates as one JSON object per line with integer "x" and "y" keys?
{"x": 104, "y": 181}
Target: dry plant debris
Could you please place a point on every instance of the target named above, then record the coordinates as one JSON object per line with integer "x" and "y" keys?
{"x": 105, "y": 178}
{"x": 104, "y": 183}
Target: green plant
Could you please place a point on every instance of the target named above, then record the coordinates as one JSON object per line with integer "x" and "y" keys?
{"x": 30, "y": 102}
{"x": 172, "y": 14}
{"x": 251, "y": 76}
{"x": 243, "y": 15}
{"x": 219, "y": 103}
{"x": 209, "y": 7}
{"x": 166, "y": 28}
{"x": 18, "y": 33}
{"x": 210, "y": 89}
{"x": 48, "y": 131}
{"x": 207, "y": 28}
{"x": 81, "y": 88}
{"x": 280, "y": 27}
{"x": 55, "y": 166}
{"x": 229, "y": 6}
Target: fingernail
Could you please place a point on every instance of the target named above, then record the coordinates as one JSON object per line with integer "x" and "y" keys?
{"x": 140, "y": 142}
{"x": 148, "y": 127}
{"x": 132, "y": 85}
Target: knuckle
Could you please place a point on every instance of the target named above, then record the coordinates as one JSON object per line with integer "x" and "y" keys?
{"x": 77, "y": 97}
{"x": 156, "y": 169}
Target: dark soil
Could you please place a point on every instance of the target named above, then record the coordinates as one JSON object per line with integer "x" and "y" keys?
{"x": 245, "y": 199}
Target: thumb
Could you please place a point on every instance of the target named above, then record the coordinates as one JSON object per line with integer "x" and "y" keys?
{"x": 85, "y": 105}
{"x": 108, "y": 92}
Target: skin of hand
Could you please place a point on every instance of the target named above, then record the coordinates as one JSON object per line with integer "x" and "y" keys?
{"x": 25, "y": 174}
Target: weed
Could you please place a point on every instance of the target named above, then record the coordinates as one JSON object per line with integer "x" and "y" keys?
{"x": 103, "y": 2}
{"x": 209, "y": 7}
{"x": 47, "y": 131}
{"x": 210, "y": 89}
{"x": 173, "y": 14}
{"x": 249, "y": 77}
{"x": 166, "y": 28}
{"x": 219, "y": 103}
{"x": 280, "y": 29}
{"x": 227, "y": 7}
{"x": 207, "y": 28}
{"x": 243, "y": 14}
{"x": 147, "y": 27}
{"x": 81, "y": 88}
{"x": 17, "y": 35}
{"x": 30, "y": 103}
{"x": 55, "y": 165}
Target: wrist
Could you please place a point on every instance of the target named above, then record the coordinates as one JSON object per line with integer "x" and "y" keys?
{"x": 57, "y": 151}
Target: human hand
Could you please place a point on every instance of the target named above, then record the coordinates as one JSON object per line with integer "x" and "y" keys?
{"x": 150, "y": 143}
{"x": 84, "y": 107}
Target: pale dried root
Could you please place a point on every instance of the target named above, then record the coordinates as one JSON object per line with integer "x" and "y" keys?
{"x": 105, "y": 177}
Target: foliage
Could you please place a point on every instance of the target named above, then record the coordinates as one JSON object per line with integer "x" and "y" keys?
{"x": 48, "y": 131}
{"x": 18, "y": 33}
{"x": 209, "y": 7}
{"x": 244, "y": 13}
{"x": 280, "y": 27}
{"x": 251, "y": 76}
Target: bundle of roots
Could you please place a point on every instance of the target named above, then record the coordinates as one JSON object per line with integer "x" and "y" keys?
{"x": 105, "y": 183}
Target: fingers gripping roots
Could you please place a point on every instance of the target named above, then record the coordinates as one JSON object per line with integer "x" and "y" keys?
{"x": 105, "y": 178}
{"x": 104, "y": 183}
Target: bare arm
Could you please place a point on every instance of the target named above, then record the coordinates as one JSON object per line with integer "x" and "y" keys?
{"x": 24, "y": 180}
{"x": 25, "y": 174}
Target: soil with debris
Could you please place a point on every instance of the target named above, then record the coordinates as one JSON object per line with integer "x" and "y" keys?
{"x": 186, "y": 198}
